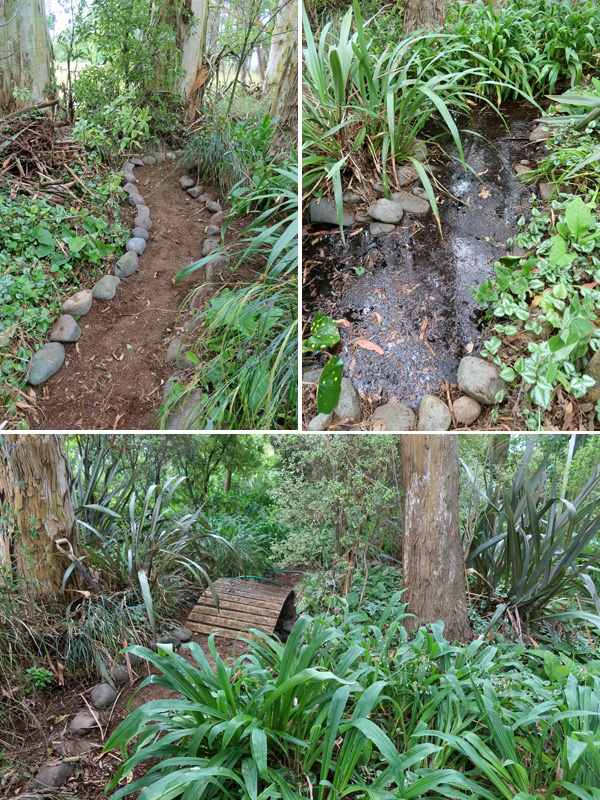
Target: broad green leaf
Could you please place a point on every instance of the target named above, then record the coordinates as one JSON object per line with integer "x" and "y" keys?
{"x": 578, "y": 217}
{"x": 330, "y": 385}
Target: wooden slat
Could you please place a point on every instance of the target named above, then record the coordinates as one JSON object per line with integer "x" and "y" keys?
{"x": 238, "y": 620}
{"x": 198, "y": 614}
{"x": 234, "y": 602}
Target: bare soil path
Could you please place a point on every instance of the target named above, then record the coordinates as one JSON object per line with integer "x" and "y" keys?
{"x": 113, "y": 377}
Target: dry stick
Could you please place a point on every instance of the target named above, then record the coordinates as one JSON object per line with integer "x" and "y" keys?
{"x": 31, "y": 108}
{"x": 95, "y": 716}
{"x": 587, "y": 630}
{"x": 78, "y": 180}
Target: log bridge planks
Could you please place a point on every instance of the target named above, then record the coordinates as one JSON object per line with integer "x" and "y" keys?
{"x": 242, "y": 605}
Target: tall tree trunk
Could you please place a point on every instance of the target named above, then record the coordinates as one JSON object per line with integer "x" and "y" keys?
{"x": 35, "y": 495}
{"x": 432, "y": 556}
{"x": 227, "y": 485}
{"x": 283, "y": 38}
{"x": 26, "y": 58}
{"x": 428, "y": 14}
{"x": 285, "y": 104}
{"x": 260, "y": 65}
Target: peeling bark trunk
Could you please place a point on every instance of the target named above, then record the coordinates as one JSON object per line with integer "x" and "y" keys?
{"x": 428, "y": 14}
{"x": 432, "y": 556}
{"x": 283, "y": 39}
{"x": 35, "y": 495}
{"x": 26, "y": 58}
{"x": 285, "y": 105}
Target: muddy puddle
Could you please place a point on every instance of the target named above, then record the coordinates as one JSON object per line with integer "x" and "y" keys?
{"x": 413, "y": 299}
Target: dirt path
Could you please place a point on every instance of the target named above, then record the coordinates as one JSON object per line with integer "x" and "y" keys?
{"x": 113, "y": 377}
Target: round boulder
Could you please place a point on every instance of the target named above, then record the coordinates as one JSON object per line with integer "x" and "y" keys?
{"x": 393, "y": 417}
{"x": 65, "y": 330}
{"x": 434, "y": 414}
{"x": 320, "y": 423}
{"x": 51, "y": 776}
{"x": 466, "y": 410}
{"x": 78, "y": 304}
{"x": 103, "y": 695}
{"x": 386, "y": 211}
{"x": 480, "y": 380}
{"x": 126, "y": 265}
{"x": 106, "y": 287}
{"x": 83, "y": 722}
{"x": 136, "y": 245}
{"x": 139, "y": 233}
{"x": 46, "y": 362}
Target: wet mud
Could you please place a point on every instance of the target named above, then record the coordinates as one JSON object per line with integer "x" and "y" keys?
{"x": 413, "y": 299}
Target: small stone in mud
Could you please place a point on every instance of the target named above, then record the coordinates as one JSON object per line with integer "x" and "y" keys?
{"x": 419, "y": 191}
{"x": 210, "y": 245}
{"x": 176, "y": 354}
{"x": 434, "y": 414}
{"x": 143, "y": 221}
{"x": 139, "y": 233}
{"x": 106, "y": 287}
{"x": 351, "y": 197}
{"x": 179, "y": 153}
{"x": 149, "y": 160}
{"x": 135, "y": 199}
{"x": 311, "y": 375}
{"x": 320, "y": 423}
{"x": 51, "y": 776}
{"x": 363, "y": 218}
{"x": 170, "y": 156}
{"x": 136, "y": 245}
{"x": 466, "y": 410}
{"x": 65, "y": 330}
{"x": 78, "y": 304}
{"x": 386, "y": 211}
{"x": 378, "y": 187}
{"x": 480, "y": 380}
{"x": 323, "y": 210}
{"x": 348, "y": 406}
{"x": 126, "y": 265}
{"x": 393, "y": 417}
{"x": 183, "y": 634}
{"x": 186, "y": 182}
{"x": 539, "y": 133}
{"x": 217, "y": 219}
{"x": 406, "y": 175}
{"x": 137, "y": 162}
{"x": 213, "y": 230}
{"x": 213, "y": 207}
{"x": 160, "y": 157}
{"x": 45, "y": 363}
{"x": 379, "y": 228}
{"x": 521, "y": 169}
{"x": 419, "y": 149}
{"x": 103, "y": 695}
{"x": 593, "y": 370}
{"x": 411, "y": 203}
{"x": 119, "y": 675}
{"x": 222, "y": 260}
{"x": 195, "y": 192}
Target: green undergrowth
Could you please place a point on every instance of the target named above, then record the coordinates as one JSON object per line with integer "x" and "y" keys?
{"x": 48, "y": 251}
{"x": 354, "y": 708}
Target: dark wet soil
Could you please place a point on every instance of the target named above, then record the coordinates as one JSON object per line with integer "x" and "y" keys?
{"x": 413, "y": 299}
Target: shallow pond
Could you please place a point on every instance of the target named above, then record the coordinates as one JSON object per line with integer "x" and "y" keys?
{"x": 413, "y": 299}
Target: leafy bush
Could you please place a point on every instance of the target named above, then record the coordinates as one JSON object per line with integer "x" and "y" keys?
{"x": 358, "y": 710}
{"x": 526, "y": 544}
{"x": 115, "y": 128}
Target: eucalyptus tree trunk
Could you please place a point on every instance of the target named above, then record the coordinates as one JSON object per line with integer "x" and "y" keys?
{"x": 432, "y": 555}
{"x": 283, "y": 39}
{"x": 285, "y": 103}
{"x": 428, "y": 14}
{"x": 26, "y": 58}
{"x": 35, "y": 499}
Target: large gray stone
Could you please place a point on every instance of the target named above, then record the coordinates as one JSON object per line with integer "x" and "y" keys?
{"x": 323, "y": 211}
{"x": 143, "y": 221}
{"x": 385, "y": 210}
{"x": 183, "y": 634}
{"x": 393, "y": 417}
{"x": 106, "y": 287}
{"x": 103, "y": 695}
{"x": 218, "y": 219}
{"x": 466, "y": 410}
{"x": 136, "y": 245}
{"x": 593, "y": 370}
{"x": 311, "y": 375}
{"x": 321, "y": 422}
{"x": 135, "y": 199}
{"x": 137, "y": 162}
{"x": 209, "y": 246}
{"x": 139, "y": 233}
{"x": 119, "y": 675}
{"x": 351, "y": 197}
{"x": 480, "y": 380}
{"x": 434, "y": 414}
{"x": 406, "y": 175}
{"x": 195, "y": 192}
{"x": 183, "y": 415}
{"x": 213, "y": 230}
{"x": 214, "y": 207}
{"x": 149, "y": 160}
{"x": 348, "y": 406}
{"x": 131, "y": 188}
{"x": 51, "y": 776}
{"x": 419, "y": 191}
{"x": 65, "y": 330}
{"x": 83, "y": 722}
{"x": 46, "y": 362}
{"x": 78, "y": 304}
{"x": 172, "y": 640}
{"x": 411, "y": 203}
{"x": 126, "y": 265}
{"x": 539, "y": 133}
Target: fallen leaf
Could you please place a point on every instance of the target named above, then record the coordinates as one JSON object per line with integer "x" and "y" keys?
{"x": 343, "y": 322}
{"x": 469, "y": 347}
{"x": 468, "y": 203}
{"x": 352, "y": 366}
{"x": 118, "y": 358}
{"x": 367, "y": 345}
{"x": 423, "y": 326}
{"x": 379, "y": 318}
{"x": 591, "y": 285}
{"x": 379, "y": 425}
{"x": 116, "y": 422}
{"x": 485, "y": 193}
{"x": 22, "y": 405}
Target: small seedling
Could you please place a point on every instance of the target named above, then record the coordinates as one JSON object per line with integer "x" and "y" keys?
{"x": 39, "y": 678}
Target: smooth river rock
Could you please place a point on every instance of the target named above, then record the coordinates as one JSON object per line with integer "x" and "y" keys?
{"x": 320, "y": 423}
{"x": 411, "y": 203}
{"x": 323, "y": 210}
{"x": 126, "y": 265}
{"x": 386, "y": 211}
{"x": 103, "y": 695}
{"x": 136, "y": 245}
{"x": 196, "y": 192}
{"x": 186, "y": 182}
{"x": 78, "y": 304}
{"x": 480, "y": 380}
{"x": 466, "y": 410}
{"x": 348, "y": 406}
{"x": 434, "y": 414}
{"x": 139, "y": 233}
{"x": 393, "y": 417}
{"x": 83, "y": 722}
{"x": 106, "y": 287}
{"x": 143, "y": 220}
{"x": 65, "y": 330}
{"x": 593, "y": 370}
{"x": 51, "y": 776}
{"x": 46, "y": 362}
